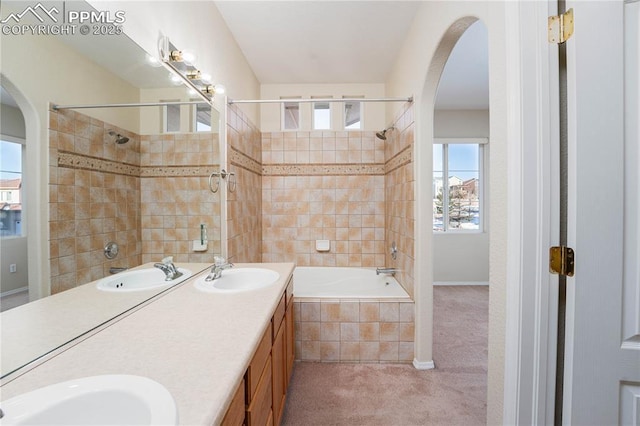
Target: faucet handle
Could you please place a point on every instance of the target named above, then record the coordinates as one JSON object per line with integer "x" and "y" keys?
{"x": 219, "y": 260}
{"x": 167, "y": 260}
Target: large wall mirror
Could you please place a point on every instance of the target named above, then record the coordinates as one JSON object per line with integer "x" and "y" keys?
{"x": 134, "y": 176}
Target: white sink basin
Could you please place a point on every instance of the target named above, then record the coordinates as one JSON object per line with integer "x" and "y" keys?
{"x": 140, "y": 279}
{"x": 241, "y": 279}
{"x": 96, "y": 400}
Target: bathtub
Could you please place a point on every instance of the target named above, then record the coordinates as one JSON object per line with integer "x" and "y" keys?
{"x": 345, "y": 283}
{"x": 351, "y": 315}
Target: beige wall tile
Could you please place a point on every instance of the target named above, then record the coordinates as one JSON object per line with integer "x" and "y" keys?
{"x": 330, "y": 331}
{"x": 369, "y": 331}
{"x": 310, "y": 351}
{"x": 349, "y": 351}
{"x": 389, "y": 351}
{"x": 406, "y": 332}
{"x": 349, "y": 331}
{"x": 389, "y": 331}
{"x": 349, "y": 311}
{"x": 405, "y": 351}
{"x": 370, "y": 351}
{"x": 330, "y": 351}
{"x": 330, "y": 311}
{"x": 310, "y": 311}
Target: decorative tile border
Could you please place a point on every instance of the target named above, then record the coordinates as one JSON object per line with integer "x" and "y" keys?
{"x": 178, "y": 171}
{"x": 239, "y": 159}
{"x": 75, "y": 161}
{"x": 400, "y": 159}
{"x": 322, "y": 169}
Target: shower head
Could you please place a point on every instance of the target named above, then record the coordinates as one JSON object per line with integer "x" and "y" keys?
{"x": 119, "y": 138}
{"x": 383, "y": 134}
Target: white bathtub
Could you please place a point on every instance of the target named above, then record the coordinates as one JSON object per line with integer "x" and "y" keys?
{"x": 345, "y": 283}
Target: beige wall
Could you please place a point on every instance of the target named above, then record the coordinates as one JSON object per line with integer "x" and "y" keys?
{"x": 373, "y": 113}
{"x": 11, "y": 122}
{"x": 418, "y": 67}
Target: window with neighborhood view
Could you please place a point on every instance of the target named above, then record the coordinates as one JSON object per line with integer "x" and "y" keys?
{"x": 10, "y": 189}
{"x": 457, "y": 187}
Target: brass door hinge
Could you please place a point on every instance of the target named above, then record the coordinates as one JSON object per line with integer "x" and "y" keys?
{"x": 561, "y": 27}
{"x": 561, "y": 261}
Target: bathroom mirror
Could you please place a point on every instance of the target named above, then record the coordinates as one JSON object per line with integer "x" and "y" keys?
{"x": 135, "y": 176}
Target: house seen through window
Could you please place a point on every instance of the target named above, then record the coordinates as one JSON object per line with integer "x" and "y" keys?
{"x": 457, "y": 187}
{"x": 10, "y": 189}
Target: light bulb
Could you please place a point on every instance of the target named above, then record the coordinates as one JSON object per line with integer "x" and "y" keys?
{"x": 153, "y": 61}
{"x": 220, "y": 89}
{"x": 188, "y": 57}
{"x": 206, "y": 78}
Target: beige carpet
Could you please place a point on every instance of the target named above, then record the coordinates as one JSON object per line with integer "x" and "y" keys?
{"x": 455, "y": 393}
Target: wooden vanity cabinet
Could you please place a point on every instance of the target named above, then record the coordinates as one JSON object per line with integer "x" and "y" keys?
{"x": 262, "y": 394}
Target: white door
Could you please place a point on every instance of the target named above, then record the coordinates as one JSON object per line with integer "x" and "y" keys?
{"x": 602, "y": 358}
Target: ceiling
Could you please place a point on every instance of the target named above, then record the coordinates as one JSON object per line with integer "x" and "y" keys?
{"x": 324, "y": 41}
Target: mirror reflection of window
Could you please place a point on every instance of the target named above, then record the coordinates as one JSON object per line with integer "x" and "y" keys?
{"x": 11, "y": 189}
{"x": 171, "y": 117}
{"x": 201, "y": 118}
{"x": 353, "y": 114}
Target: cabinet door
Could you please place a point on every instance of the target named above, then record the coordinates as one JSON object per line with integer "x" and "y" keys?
{"x": 235, "y": 413}
{"x": 290, "y": 340}
{"x": 279, "y": 364}
{"x": 259, "y": 412}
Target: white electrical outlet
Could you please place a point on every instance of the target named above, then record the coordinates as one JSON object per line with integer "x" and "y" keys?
{"x": 12, "y": 268}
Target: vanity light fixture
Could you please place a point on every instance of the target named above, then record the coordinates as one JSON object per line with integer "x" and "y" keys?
{"x": 180, "y": 64}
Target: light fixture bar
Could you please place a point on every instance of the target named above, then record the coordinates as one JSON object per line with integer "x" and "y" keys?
{"x": 300, "y": 100}
{"x": 132, "y": 105}
{"x": 186, "y": 81}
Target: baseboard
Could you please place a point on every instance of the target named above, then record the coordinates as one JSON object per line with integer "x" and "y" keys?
{"x": 461, "y": 283}
{"x": 423, "y": 365}
{"x": 14, "y": 291}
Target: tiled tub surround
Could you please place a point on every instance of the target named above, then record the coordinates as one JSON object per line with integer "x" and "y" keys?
{"x": 244, "y": 205}
{"x": 400, "y": 196}
{"x": 94, "y": 198}
{"x": 176, "y": 198}
{"x": 354, "y": 330}
{"x": 323, "y": 185}
{"x": 367, "y": 326}
{"x": 149, "y": 195}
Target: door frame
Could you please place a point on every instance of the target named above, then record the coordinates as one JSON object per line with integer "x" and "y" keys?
{"x": 533, "y": 216}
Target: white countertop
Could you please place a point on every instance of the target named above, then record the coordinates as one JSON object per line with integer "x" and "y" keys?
{"x": 196, "y": 344}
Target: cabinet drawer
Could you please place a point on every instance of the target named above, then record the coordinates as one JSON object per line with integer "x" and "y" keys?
{"x": 257, "y": 363}
{"x": 278, "y": 315}
{"x": 235, "y": 413}
{"x": 259, "y": 411}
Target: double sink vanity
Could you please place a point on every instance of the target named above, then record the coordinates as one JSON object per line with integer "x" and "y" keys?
{"x": 199, "y": 353}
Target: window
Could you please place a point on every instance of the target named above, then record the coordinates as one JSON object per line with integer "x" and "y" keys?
{"x": 11, "y": 155}
{"x": 291, "y": 115}
{"x": 322, "y": 115}
{"x": 171, "y": 118}
{"x": 353, "y": 114}
{"x": 201, "y": 118}
{"x": 457, "y": 186}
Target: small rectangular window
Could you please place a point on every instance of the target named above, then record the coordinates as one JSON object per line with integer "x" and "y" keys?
{"x": 457, "y": 187}
{"x": 353, "y": 114}
{"x": 291, "y": 115}
{"x": 322, "y": 115}
{"x": 201, "y": 118}
{"x": 171, "y": 118}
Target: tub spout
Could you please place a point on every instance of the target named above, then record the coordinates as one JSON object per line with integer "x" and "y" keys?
{"x": 389, "y": 271}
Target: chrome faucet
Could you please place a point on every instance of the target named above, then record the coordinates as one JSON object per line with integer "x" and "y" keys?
{"x": 168, "y": 268}
{"x": 216, "y": 271}
{"x": 390, "y": 271}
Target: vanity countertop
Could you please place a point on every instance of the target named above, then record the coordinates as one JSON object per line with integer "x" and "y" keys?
{"x": 34, "y": 329}
{"x": 196, "y": 344}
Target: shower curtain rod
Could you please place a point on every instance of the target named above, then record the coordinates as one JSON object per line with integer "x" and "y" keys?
{"x": 133, "y": 105}
{"x": 300, "y": 100}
